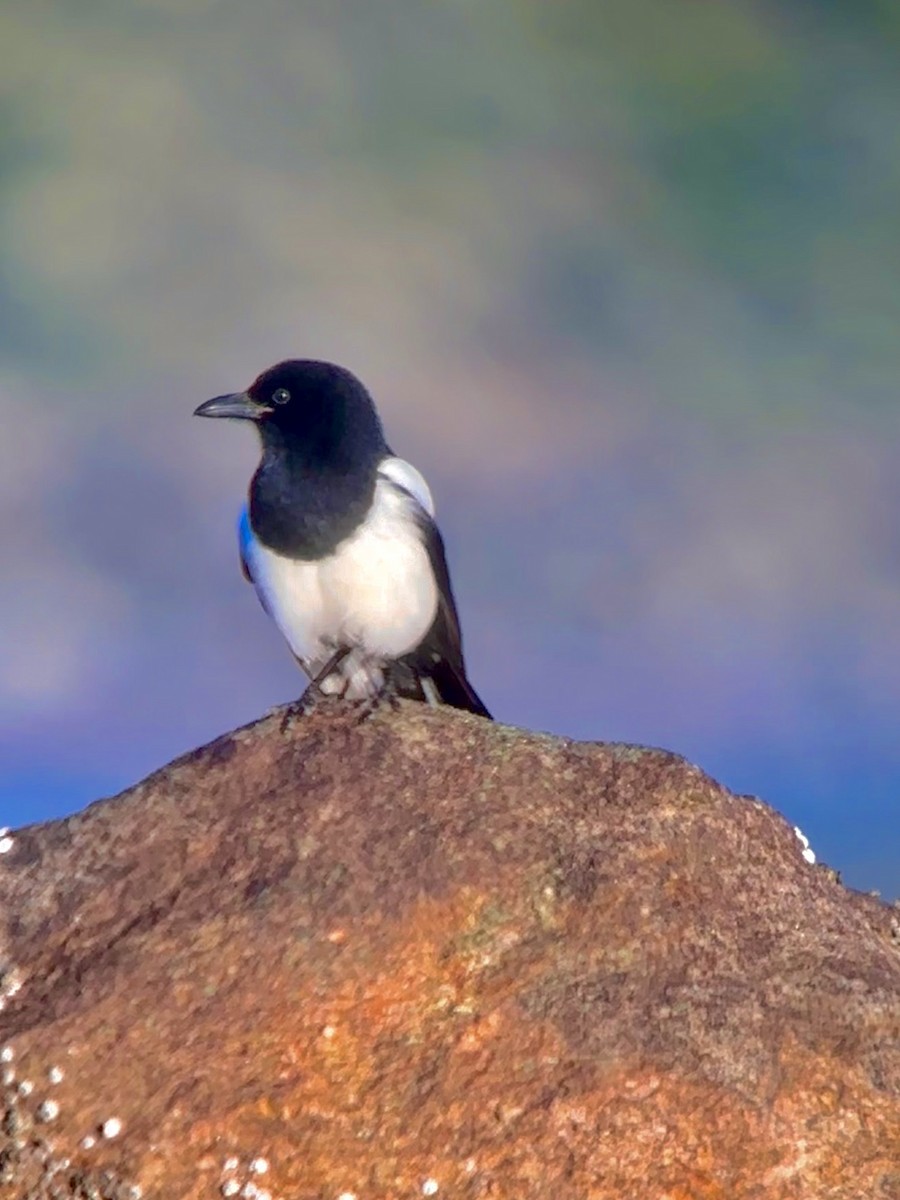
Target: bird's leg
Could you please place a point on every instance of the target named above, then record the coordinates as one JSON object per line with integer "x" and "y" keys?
{"x": 314, "y": 693}
{"x": 385, "y": 690}
{"x": 331, "y": 665}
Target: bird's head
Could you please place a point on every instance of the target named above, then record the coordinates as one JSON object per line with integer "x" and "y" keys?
{"x": 304, "y": 403}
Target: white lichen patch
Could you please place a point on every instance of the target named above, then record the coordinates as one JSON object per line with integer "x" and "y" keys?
{"x": 12, "y": 983}
{"x": 347, "y": 1196}
{"x": 429, "y": 1187}
{"x": 88, "y": 1142}
{"x": 234, "y": 1179}
{"x": 6, "y": 843}
{"x": 29, "y": 1151}
{"x": 111, "y": 1128}
{"x": 809, "y": 855}
{"x": 47, "y": 1111}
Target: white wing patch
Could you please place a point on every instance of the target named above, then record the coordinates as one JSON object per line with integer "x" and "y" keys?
{"x": 405, "y": 476}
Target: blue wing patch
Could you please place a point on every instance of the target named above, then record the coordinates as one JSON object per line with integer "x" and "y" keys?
{"x": 245, "y": 541}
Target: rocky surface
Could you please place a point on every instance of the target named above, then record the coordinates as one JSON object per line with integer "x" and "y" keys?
{"x": 429, "y": 955}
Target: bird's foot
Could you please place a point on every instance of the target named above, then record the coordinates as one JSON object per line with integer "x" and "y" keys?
{"x": 312, "y": 700}
{"x": 315, "y": 697}
{"x": 369, "y": 705}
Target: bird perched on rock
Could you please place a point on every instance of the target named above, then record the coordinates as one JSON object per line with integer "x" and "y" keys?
{"x": 339, "y": 540}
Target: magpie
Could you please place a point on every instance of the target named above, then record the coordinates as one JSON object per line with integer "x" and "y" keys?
{"x": 338, "y": 538}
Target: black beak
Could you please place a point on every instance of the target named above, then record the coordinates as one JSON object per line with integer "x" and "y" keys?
{"x": 237, "y": 405}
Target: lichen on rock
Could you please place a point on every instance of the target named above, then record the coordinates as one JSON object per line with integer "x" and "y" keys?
{"x": 431, "y": 955}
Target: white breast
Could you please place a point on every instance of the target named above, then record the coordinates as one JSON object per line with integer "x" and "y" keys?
{"x": 375, "y": 593}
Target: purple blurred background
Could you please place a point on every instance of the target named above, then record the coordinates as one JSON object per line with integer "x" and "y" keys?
{"x": 623, "y": 280}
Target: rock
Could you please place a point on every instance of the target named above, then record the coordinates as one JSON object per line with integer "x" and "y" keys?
{"x": 430, "y": 955}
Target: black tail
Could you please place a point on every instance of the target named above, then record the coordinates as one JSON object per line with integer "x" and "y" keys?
{"x": 454, "y": 689}
{"x": 411, "y": 681}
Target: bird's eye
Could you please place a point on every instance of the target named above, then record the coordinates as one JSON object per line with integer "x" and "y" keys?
{"x": 281, "y": 396}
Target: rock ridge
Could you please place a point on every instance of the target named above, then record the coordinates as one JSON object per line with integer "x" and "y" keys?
{"x": 432, "y": 955}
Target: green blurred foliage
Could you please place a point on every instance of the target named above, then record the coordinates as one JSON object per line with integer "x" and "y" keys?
{"x": 701, "y": 195}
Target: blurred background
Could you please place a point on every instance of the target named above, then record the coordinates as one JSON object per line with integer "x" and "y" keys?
{"x": 623, "y": 279}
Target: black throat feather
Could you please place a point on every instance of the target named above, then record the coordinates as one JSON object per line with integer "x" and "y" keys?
{"x": 308, "y": 495}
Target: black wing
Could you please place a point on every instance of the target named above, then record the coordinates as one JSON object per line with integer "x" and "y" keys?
{"x": 439, "y": 657}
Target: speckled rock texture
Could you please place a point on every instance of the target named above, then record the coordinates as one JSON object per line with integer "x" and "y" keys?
{"x": 430, "y": 955}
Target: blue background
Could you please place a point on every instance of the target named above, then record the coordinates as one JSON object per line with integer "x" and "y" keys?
{"x": 623, "y": 280}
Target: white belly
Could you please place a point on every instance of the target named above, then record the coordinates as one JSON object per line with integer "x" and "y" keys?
{"x": 376, "y": 594}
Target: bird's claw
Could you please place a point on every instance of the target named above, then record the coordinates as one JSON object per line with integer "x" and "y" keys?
{"x": 306, "y": 704}
{"x": 367, "y": 707}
